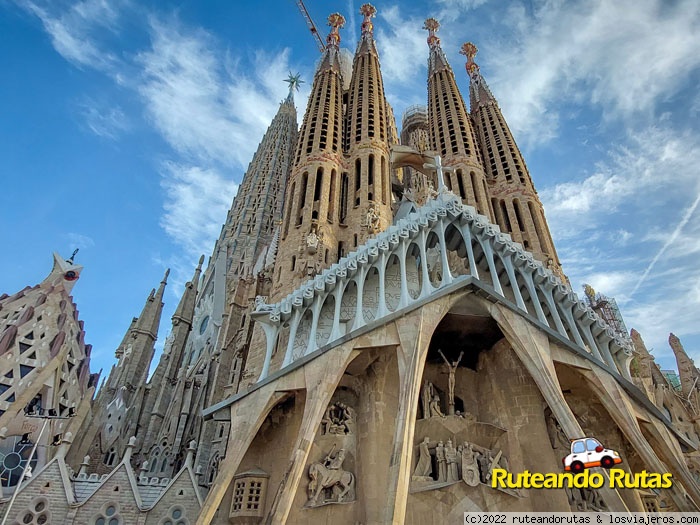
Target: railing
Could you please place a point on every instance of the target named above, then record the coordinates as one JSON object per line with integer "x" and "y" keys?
{"x": 416, "y": 258}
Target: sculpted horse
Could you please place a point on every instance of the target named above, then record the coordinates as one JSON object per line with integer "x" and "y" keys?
{"x": 324, "y": 478}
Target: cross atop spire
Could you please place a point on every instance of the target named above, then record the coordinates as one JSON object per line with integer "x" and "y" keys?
{"x": 368, "y": 11}
{"x": 470, "y": 50}
{"x": 432, "y": 25}
{"x": 336, "y": 21}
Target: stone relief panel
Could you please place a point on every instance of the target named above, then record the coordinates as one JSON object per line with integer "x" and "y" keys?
{"x": 339, "y": 419}
{"x": 392, "y": 286}
{"x": 413, "y": 271}
{"x": 329, "y": 482}
{"x": 332, "y": 475}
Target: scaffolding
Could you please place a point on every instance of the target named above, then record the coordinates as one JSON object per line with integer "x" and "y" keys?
{"x": 607, "y": 308}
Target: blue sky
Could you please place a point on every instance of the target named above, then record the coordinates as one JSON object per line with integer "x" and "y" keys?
{"x": 126, "y": 127}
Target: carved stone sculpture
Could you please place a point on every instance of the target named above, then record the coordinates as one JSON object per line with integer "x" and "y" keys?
{"x": 451, "y": 459}
{"x": 427, "y": 396}
{"x": 435, "y": 407}
{"x": 339, "y": 419}
{"x": 470, "y": 470}
{"x": 329, "y": 482}
{"x": 451, "y": 369}
{"x": 424, "y": 468}
{"x": 441, "y": 461}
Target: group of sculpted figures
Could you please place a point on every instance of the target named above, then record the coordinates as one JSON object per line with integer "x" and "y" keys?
{"x": 329, "y": 482}
{"x": 443, "y": 463}
{"x": 339, "y": 419}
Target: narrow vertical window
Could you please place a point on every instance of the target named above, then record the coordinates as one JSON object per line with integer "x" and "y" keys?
{"x": 385, "y": 181}
{"x": 331, "y": 200}
{"x": 288, "y": 215}
{"x": 302, "y": 197}
{"x": 343, "y": 198}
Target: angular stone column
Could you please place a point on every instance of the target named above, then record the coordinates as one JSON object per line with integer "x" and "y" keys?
{"x": 415, "y": 331}
{"x": 246, "y": 418}
{"x": 619, "y": 405}
{"x": 322, "y": 376}
{"x": 675, "y": 460}
{"x": 532, "y": 347}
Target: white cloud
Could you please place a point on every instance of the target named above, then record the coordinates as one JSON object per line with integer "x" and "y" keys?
{"x": 79, "y": 241}
{"x": 72, "y": 30}
{"x": 625, "y": 56}
{"x": 104, "y": 120}
{"x": 687, "y": 214}
{"x": 197, "y": 200}
{"x": 655, "y": 159}
{"x": 204, "y": 106}
{"x": 398, "y": 38}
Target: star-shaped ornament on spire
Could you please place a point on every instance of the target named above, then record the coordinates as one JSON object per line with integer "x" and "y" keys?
{"x": 294, "y": 81}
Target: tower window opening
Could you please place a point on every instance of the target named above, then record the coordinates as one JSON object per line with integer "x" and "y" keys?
{"x": 384, "y": 181}
{"x": 518, "y": 215}
{"x": 506, "y": 218}
{"x": 318, "y": 185}
{"x": 332, "y": 197}
{"x": 370, "y": 171}
{"x": 341, "y": 251}
{"x": 344, "y": 198}
{"x": 302, "y": 197}
{"x": 460, "y": 182}
{"x": 294, "y": 262}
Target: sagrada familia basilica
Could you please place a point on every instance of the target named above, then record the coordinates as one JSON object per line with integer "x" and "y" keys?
{"x": 382, "y": 322}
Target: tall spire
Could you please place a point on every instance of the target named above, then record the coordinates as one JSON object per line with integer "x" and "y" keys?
{"x": 257, "y": 207}
{"x": 136, "y": 350}
{"x": 479, "y": 92}
{"x": 516, "y": 207}
{"x": 451, "y": 132}
{"x": 690, "y": 376}
{"x": 437, "y": 58}
{"x": 368, "y": 11}
{"x": 313, "y": 180}
{"x": 162, "y": 382}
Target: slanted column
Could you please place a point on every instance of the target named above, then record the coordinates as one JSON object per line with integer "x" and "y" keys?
{"x": 415, "y": 331}
{"x": 467, "y": 233}
{"x": 622, "y": 412}
{"x": 530, "y": 285}
{"x": 316, "y": 312}
{"x": 508, "y": 263}
{"x": 446, "y": 273}
{"x": 271, "y": 332}
{"x": 403, "y": 250}
{"x": 338, "y": 295}
{"x": 322, "y": 376}
{"x": 488, "y": 254}
{"x": 246, "y": 420}
{"x": 532, "y": 348}
{"x": 381, "y": 300}
{"x": 360, "y": 277}
{"x": 293, "y": 325}
{"x": 425, "y": 288}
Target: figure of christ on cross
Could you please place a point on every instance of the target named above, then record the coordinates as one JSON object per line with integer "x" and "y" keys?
{"x": 451, "y": 369}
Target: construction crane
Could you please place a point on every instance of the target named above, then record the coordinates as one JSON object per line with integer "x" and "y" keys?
{"x": 312, "y": 26}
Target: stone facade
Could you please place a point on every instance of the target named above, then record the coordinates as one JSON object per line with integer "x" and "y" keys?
{"x": 366, "y": 350}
